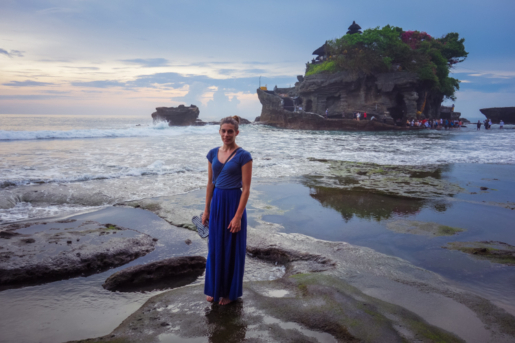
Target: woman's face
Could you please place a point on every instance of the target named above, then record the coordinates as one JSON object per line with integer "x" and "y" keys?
{"x": 228, "y": 133}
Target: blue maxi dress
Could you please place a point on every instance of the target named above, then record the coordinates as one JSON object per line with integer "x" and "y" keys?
{"x": 226, "y": 251}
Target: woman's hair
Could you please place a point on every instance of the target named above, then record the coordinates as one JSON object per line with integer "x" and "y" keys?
{"x": 234, "y": 120}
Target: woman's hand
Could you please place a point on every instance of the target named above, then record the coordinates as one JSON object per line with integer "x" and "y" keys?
{"x": 235, "y": 225}
{"x": 205, "y": 218}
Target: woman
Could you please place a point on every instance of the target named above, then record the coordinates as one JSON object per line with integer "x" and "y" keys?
{"x": 228, "y": 189}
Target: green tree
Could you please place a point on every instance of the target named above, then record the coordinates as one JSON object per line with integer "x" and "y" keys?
{"x": 389, "y": 48}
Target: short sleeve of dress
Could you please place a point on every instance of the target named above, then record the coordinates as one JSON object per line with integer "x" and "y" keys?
{"x": 245, "y": 158}
{"x": 211, "y": 155}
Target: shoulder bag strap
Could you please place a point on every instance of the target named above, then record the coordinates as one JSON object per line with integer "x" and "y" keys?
{"x": 227, "y": 160}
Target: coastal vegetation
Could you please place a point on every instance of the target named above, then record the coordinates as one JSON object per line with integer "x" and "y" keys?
{"x": 380, "y": 50}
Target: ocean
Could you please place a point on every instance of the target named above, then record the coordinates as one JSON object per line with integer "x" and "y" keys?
{"x": 55, "y": 166}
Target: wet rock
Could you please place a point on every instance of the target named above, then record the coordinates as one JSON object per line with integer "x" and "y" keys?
{"x": 295, "y": 261}
{"x": 177, "y": 116}
{"x": 422, "y": 228}
{"x": 274, "y": 114}
{"x": 302, "y": 308}
{"x": 34, "y": 254}
{"x": 497, "y": 252}
{"x": 8, "y": 234}
{"x": 407, "y": 181}
{"x": 169, "y": 273}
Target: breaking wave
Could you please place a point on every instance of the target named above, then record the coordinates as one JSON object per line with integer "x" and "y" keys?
{"x": 158, "y": 129}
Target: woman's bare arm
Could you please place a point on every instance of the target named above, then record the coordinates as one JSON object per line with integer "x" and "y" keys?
{"x": 246, "y": 174}
{"x": 209, "y": 194}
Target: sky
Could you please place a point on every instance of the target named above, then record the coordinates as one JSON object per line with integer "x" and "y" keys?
{"x": 128, "y": 57}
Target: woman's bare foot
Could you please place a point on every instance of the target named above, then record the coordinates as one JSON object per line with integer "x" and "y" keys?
{"x": 224, "y": 301}
{"x": 210, "y": 299}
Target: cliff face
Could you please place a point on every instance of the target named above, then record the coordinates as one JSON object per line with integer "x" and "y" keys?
{"x": 274, "y": 114}
{"x": 390, "y": 97}
{"x": 177, "y": 116}
{"x": 507, "y": 114}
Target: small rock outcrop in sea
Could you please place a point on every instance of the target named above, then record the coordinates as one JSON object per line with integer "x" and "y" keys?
{"x": 170, "y": 273}
{"x": 40, "y": 253}
{"x": 497, "y": 252}
{"x": 177, "y": 116}
{"x": 506, "y": 114}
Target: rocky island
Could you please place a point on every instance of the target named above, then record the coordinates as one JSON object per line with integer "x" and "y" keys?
{"x": 183, "y": 116}
{"x": 391, "y": 74}
{"x": 506, "y": 114}
{"x": 177, "y": 116}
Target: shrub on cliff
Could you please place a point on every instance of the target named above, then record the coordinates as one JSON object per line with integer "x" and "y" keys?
{"x": 390, "y": 48}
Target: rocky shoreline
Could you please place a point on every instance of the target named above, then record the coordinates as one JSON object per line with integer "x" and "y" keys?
{"x": 45, "y": 252}
{"x": 325, "y": 291}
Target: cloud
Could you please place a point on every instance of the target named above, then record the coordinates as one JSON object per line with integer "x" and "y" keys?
{"x": 242, "y": 84}
{"x": 148, "y": 62}
{"x": 221, "y": 105}
{"x": 194, "y": 96}
{"x": 12, "y": 53}
{"x": 52, "y": 10}
{"x": 82, "y": 68}
{"x": 255, "y": 62}
{"x": 176, "y": 80}
{"x": 27, "y": 83}
{"x": 499, "y": 74}
{"x": 255, "y": 71}
{"x": 31, "y": 97}
{"x": 99, "y": 84}
{"x": 226, "y": 71}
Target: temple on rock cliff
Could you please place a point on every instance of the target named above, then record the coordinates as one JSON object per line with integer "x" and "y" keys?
{"x": 391, "y": 97}
{"x": 354, "y": 28}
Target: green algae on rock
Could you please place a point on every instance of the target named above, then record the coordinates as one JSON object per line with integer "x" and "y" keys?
{"x": 497, "y": 252}
{"x": 422, "y": 228}
{"x": 408, "y": 181}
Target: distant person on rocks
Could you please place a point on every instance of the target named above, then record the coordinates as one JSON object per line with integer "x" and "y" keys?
{"x": 478, "y": 125}
{"x": 501, "y": 124}
{"x": 489, "y": 123}
{"x": 357, "y": 116}
{"x": 227, "y": 193}
{"x": 365, "y": 116}
{"x": 326, "y": 114}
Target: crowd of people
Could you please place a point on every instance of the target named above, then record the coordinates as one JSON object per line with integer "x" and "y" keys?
{"x": 488, "y": 124}
{"x": 426, "y": 123}
{"x": 435, "y": 123}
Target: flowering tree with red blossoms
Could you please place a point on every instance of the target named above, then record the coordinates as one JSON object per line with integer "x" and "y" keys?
{"x": 414, "y": 38}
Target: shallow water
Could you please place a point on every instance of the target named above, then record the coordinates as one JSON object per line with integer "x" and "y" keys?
{"x": 361, "y": 218}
